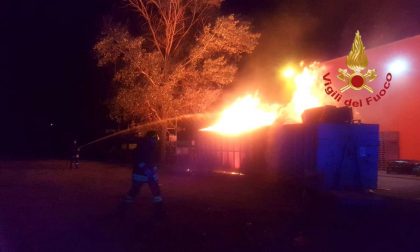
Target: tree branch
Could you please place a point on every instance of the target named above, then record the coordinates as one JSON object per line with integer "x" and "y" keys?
{"x": 148, "y": 77}
{"x": 153, "y": 110}
{"x": 141, "y": 8}
{"x": 196, "y": 15}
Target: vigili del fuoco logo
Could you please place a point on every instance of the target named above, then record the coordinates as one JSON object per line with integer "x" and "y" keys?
{"x": 356, "y": 78}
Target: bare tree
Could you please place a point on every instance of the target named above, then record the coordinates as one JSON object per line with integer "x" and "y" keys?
{"x": 180, "y": 65}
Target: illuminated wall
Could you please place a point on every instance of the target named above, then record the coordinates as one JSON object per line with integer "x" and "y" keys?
{"x": 399, "y": 108}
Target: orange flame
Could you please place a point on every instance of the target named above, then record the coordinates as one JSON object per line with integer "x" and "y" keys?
{"x": 308, "y": 92}
{"x": 244, "y": 115}
{"x": 250, "y": 113}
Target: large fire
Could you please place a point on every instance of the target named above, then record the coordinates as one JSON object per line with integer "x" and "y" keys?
{"x": 308, "y": 92}
{"x": 245, "y": 114}
{"x": 250, "y": 112}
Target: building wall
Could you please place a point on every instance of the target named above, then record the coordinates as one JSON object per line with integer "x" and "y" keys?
{"x": 399, "y": 109}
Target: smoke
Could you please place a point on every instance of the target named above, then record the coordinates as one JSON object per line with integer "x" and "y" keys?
{"x": 293, "y": 31}
{"x": 381, "y": 23}
{"x": 286, "y": 31}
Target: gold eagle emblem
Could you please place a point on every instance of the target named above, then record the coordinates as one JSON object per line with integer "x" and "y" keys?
{"x": 357, "y": 61}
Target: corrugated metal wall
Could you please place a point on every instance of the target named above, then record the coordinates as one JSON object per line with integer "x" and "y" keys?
{"x": 343, "y": 155}
{"x": 230, "y": 153}
{"x": 389, "y": 148}
{"x": 347, "y": 155}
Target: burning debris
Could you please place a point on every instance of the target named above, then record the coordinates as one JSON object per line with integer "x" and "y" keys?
{"x": 244, "y": 115}
{"x": 250, "y": 112}
{"x": 307, "y": 92}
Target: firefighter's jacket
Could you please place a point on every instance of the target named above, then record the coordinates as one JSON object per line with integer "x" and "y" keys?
{"x": 146, "y": 155}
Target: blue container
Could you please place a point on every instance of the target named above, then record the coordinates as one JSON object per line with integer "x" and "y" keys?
{"x": 342, "y": 156}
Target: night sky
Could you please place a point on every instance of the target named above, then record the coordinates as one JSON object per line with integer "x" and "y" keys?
{"x": 52, "y": 91}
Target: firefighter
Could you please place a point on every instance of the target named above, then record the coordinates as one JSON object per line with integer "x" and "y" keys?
{"x": 75, "y": 155}
{"x": 145, "y": 170}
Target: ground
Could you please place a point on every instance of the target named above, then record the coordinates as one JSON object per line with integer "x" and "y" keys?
{"x": 47, "y": 207}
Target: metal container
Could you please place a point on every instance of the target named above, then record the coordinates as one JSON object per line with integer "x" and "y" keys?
{"x": 244, "y": 153}
{"x": 342, "y": 156}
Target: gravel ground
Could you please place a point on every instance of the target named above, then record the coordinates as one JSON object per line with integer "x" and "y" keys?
{"x": 44, "y": 206}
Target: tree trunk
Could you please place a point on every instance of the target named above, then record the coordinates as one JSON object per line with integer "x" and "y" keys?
{"x": 163, "y": 142}
{"x": 163, "y": 132}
